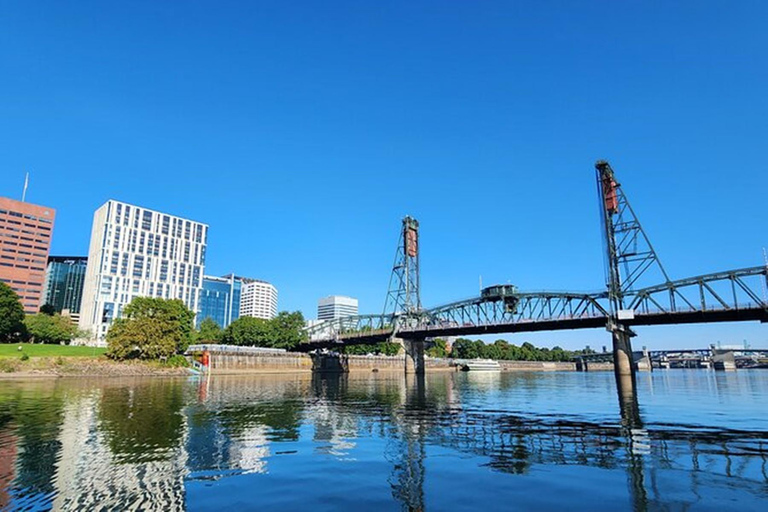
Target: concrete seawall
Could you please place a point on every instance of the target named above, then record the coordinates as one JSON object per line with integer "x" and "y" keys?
{"x": 298, "y": 362}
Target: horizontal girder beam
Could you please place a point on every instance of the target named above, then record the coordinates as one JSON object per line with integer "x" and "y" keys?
{"x": 730, "y": 296}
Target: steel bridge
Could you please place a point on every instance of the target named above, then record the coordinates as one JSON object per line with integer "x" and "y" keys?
{"x": 726, "y": 296}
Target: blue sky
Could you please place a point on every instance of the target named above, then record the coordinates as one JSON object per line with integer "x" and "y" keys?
{"x": 302, "y": 132}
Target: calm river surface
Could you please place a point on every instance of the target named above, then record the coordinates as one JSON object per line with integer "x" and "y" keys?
{"x": 381, "y": 441}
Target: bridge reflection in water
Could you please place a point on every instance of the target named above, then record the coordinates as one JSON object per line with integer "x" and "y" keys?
{"x": 440, "y": 441}
{"x": 431, "y": 414}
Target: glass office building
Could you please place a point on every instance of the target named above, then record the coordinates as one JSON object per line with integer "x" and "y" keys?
{"x": 220, "y": 299}
{"x": 64, "y": 278}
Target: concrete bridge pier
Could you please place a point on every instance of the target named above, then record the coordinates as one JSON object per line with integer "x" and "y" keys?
{"x": 623, "y": 363}
{"x": 414, "y": 354}
{"x": 643, "y": 361}
{"x": 723, "y": 360}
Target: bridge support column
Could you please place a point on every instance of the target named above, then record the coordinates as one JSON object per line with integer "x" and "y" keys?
{"x": 643, "y": 361}
{"x": 414, "y": 355}
{"x": 723, "y": 360}
{"x": 622, "y": 351}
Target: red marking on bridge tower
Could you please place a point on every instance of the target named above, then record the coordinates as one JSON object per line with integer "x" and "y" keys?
{"x": 610, "y": 197}
{"x": 412, "y": 242}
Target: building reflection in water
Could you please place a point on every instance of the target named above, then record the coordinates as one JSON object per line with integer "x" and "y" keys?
{"x": 141, "y": 443}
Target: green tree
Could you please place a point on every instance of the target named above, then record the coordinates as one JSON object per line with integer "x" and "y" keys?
{"x": 249, "y": 331}
{"x": 438, "y": 348}
{"x": 12, "y": 327}
{"x": 52, "y": 329}
{"x": 151, "y": 328}
{"x": 288, "y": 329}
{"x": 465, "y": 348}
{"x": 209, "y": 331}
{"x": 48, "y": 309}
{"x": 384, "y": 348}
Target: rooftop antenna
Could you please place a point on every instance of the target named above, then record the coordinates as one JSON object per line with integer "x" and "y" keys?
{"x": 26, "y": 184}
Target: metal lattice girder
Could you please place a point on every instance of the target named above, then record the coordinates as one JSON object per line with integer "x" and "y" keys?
{"x": 629, "y": 252}
{"x": 730, "y": 290}
{"x": 350, "y": 327}
{"x": 528, "y": 308}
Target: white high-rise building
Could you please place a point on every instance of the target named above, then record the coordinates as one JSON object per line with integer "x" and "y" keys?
{"x": 336, "y": 306}
{"x": 136, "y": 252}
{"x": 258, "y": 299}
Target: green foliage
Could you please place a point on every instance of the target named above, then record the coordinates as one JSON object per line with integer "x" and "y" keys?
{"x": 384, "y": 348}
{"x": 48, "y": 309}
{"x": 248, "y": 331}
{"x": 9, "y": 365}
{"x": 177, "y": 361}
{"x": 439, "y": 348}
{"x": 24, "y": 357}
{"x": 283, "y": 331}
{"x": 288, "y": 329}
{"x": 502, "y": 350}
{"x": 209, "y": 332}
{"x": 12, "y": 327}
{"x": 51, "y": 329}
{"x": 151, "y": 328}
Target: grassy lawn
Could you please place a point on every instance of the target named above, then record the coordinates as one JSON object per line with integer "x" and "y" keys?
{"x": 12, "y": 350}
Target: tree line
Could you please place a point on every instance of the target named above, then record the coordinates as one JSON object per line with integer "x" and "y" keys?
{"x": 464, "y": 348}
{"x": 152, "y": 328}
{"x": 149, "y": 328}
{"x": 47, "y": 326}
{"x": 503, "y": 350}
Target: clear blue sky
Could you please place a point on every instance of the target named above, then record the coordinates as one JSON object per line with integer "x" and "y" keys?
{"x": 302, "y": 132}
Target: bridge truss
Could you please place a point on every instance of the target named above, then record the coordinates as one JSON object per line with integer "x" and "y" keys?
{"x": 733, "y": 295}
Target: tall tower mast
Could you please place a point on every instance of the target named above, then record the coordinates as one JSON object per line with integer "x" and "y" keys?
{"x": 403, "y": 296}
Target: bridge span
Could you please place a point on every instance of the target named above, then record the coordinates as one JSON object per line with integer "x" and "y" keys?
{"x": 726, "y": 296}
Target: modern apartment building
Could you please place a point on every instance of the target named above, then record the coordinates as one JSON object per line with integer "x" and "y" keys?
{"x": 137, "y": 252}
{"x": 64, "y": 279}
{"x": 336, "y": 306}
{"x": 220, "y": 299}
{"x": 258, "y": 299}
{"x": 25, "y": 240}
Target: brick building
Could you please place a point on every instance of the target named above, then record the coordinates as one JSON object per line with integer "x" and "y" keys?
{"x": 25, "y": 240}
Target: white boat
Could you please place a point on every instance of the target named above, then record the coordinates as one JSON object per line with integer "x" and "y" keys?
{"x": 481, "y": 365}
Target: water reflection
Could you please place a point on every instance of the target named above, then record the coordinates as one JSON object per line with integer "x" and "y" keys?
{"x": 172, "y": 444}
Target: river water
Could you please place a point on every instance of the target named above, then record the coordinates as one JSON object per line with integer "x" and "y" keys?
{"x": 693, "y": 440}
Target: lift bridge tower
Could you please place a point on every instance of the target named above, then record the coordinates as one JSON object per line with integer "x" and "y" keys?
{"x": 629, "y": 257}
{"x": 403, "y": 300}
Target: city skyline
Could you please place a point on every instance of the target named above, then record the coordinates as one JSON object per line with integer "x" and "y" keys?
{"x": 303, "y": 137}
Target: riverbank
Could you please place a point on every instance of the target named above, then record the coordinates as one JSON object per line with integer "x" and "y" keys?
{"x": 238, "y": 364}
{"x": 52, "y": 367}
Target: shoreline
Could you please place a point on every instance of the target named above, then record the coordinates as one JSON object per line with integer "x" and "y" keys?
{"x": 99, "y": 367}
